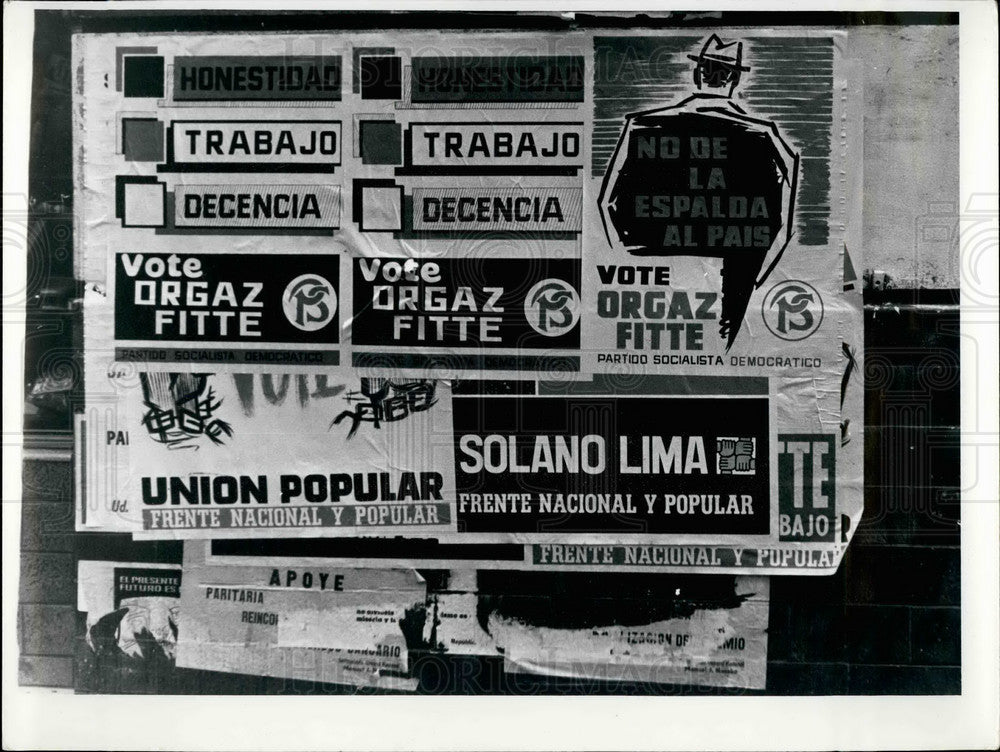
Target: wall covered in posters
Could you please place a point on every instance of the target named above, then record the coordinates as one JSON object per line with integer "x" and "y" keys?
{"x": 589, "y": 295}
{"x": 669, "y": 419}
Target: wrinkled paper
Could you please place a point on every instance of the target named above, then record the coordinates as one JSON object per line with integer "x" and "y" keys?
{"x": 585, "y": 295}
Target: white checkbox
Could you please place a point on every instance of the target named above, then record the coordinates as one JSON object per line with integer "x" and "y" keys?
{"x": 144, "y": 205}
{"x": 382, "y": 208}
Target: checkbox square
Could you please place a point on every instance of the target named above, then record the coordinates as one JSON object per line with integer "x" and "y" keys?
{"x": 144, "y": 205}
{"x": 143, "y": 76}
{"x": 142, "y": 139}
{"x": 381, "y": 77}
{"x": 381, "y": 142}
{"x": 381, "y": 208}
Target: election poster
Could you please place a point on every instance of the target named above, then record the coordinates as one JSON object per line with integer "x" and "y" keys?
{"x": 358, "y": 201}
{"x": 718, "y": 186}
{"x": 589, "y": 296}
{"x": 568, "y": 203}
{"x": 342, "y": 626}
{"x": 215, "y": 455}
{"x": 517, "y": 352}
{"x": 582, "y": 472}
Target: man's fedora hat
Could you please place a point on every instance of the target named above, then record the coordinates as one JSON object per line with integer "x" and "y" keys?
{"x": 714, "y": 51}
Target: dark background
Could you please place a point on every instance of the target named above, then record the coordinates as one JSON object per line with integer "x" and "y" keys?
{"x": 577, "y": 416}
{"x": 273, "y": 273}
{"x": 371, "y": 326}
{"x": 888, "y": 622}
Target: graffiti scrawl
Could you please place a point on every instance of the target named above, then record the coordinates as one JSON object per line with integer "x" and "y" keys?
{"x": 181, "y": 409}
{"x": 386, "y": 401}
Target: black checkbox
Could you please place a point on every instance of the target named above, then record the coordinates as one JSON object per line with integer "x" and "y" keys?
{"x": 381, "y": 77}
{"x": 143, "y": 76}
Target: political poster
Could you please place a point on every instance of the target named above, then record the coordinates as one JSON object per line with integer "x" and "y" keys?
{"x": 342, "y": 626}
{"x": 585, "y": 294}
{"x": 211, "y": 455}
{"x": 350, "y": 201}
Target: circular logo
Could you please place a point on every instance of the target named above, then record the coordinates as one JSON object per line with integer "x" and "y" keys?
{"x": 309, "y": 302}
{"x": 552, "y": 307}
{"x": 792, "y": 310}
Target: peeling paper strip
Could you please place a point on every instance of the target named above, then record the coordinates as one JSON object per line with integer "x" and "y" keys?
{"x": 328, "y": 666}
{"x": 234, "y": 620}
{"x": 457, "y": 630}
{"x": 725, "y": 648}
{"x": 148, "y": 594}
{"x": 368, "y": 621}
{"x": 722, "y": 644}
